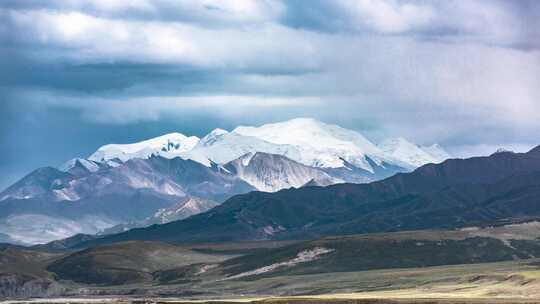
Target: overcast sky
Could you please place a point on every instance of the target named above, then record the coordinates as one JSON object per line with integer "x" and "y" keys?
{"x": 77, "y": 74}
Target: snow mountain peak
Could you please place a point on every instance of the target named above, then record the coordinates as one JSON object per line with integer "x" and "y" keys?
{"x": 437, "y": 152}
{"x": 168, "y": 145}
{"x": 402, "y": 149}
{"x": 212, "y": 137}
{"x": 319, "y": 144}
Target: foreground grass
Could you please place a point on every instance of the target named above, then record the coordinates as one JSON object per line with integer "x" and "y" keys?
{"x": 499, "y": 283}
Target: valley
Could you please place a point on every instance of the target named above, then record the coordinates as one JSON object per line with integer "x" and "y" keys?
{"x": 501, "y": 262}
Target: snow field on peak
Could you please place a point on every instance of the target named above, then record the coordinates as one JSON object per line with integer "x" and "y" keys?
{"x": 230, "y": 146}
{"x": 318, "y": 144}
{"x": 168, "y": 145}
{"x": 305, "y": 140}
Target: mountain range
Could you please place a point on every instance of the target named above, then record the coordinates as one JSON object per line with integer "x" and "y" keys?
{"x": 180, "y": 229}
{"x": 457, "y": 193}
{"x": 305, "y": 140}
{"x": 122, "y": 186}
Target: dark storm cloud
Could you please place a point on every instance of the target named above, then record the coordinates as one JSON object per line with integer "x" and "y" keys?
{"x": 100, "y": 77}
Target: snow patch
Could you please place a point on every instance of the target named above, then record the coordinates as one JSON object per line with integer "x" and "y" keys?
{"x": 89, "y": 165}
{"x": 66, "y": 194}
{"x": 271, "y": 230}
{"x": 247, "y": 158}
{"x": 205, "y": 268}
{"x": 114, "y": 163}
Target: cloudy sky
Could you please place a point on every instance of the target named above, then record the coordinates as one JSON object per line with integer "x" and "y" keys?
{"x": 76, "y": 74}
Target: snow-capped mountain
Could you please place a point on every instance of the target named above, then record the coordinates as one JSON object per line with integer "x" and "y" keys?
{"x": 304, "y": 140}
{"x": 437, "y": 152}
{"x": 318, "y": 144}
{"x": 342, "y": 155}
{"x": 168, "y": 145}
{"x": 272, "y": 172}
{"x": 132, "y": 183}
{"x": 412, "y": 154}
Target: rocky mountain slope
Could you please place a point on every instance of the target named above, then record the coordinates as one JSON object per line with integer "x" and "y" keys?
{"x": 50, "y": 204}
{"x": 89, "y": 196}
{"x": 272, "y": 172}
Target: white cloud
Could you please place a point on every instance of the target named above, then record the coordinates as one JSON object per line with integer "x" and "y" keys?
{"x": 388, "y": 16}
{"x": 477, "y": 21}
{"x": 84, "y": 38}
{"x": 111, "y": 5}
{"x": 204, "y": 12}
{"x": 154, "y": 108}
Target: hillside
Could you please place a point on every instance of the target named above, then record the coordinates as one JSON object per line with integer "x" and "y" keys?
{"x": 506, "y": 256}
